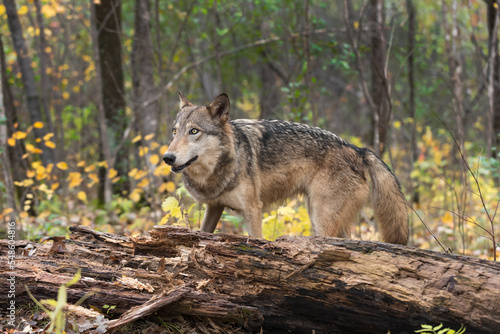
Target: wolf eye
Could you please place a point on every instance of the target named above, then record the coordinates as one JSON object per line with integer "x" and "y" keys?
{"x": 174, "y": 131}
{"x": 193, "y": 131}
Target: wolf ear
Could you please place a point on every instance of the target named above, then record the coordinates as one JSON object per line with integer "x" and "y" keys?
{"x": 220, "y": 107}
{"x": 184, "y": 102}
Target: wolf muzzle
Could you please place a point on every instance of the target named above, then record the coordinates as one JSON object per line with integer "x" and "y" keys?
{"x": 170, "y": 160}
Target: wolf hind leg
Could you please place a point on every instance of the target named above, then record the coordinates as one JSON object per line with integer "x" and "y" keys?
{"x": 334, "y": 206}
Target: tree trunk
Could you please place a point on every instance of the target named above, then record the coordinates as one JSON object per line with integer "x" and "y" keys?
{"x": 380, "y": 84}
{"x": 6, "y": 100}
{"x": 415, "y": 196}
{"x": 493, "y": 80}
{"x": 269, "y": 98}
{"x": 293, "y": 284}
{"x": 15, "y": 152}
{"x": 46, "y": 82}
{"x": 452, "y": 47}
{"x": 108, "y": 25}
{"x": 143, "y": 70}
{"x": 28, "y": 78}
{"x": 105, "y": 185}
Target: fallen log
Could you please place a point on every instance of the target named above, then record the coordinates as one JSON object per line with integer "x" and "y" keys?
{"x": 293, "y": 284}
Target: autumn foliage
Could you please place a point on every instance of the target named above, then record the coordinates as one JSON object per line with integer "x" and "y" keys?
{"x": 258, "y": 55}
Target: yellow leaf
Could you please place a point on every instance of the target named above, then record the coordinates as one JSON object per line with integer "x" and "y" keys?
{"x": 62, "y": 165}
{"x": 49, "y": 11}
{"x": 136, "y": 139}
{"x": 154, "y": 159}
{"x": 7, "y": 211}
{"x": 82, "y": 196}
{"x": 172, "y": 205}
{"x": 38, "y": 125}
{"x": 116, "y": 179}
{"x": 94, "y": 177}
{"x": 74, "y": 179}
{"x": 81, "y": 163}
{"x": 163, "y": 149}
{"x": 2, "y": 10}
{"x": 11, "y": 142}
{"x": 48, "y": 136}
{"x": 162, "y": 170}
{"x": 149, "y": 137}
{"x": 48, "y": 49}
{"x": 30, "y": 174}
{"x": 19, "y": 135}
{"x": 143, "y": 150}
{"x": 133, "y": 172}
{"x": 23, "y": 215}
{"x": 89, "y": 168}
{"x": 103, "y": 163}
{"x": 50, "y": 144}
{"x": 24, "y": 183}
{"x": 112, "y": 173}
{"x": 65, "y": 95}
{"x": 164, "y": 220}
{"x": 170, "y": 187}
{"x": 22, "y": 10}
{"x": 30, "y": 148}
{"x": 143, "y": 184}
{"x": 76, "y": 89}
{"x": 54, "y": 186}
{"x": 162, "y": 188}
{"x": 356, "y": 25}
{"x": 135, "y": 196}
{"x": 140, "y": 174}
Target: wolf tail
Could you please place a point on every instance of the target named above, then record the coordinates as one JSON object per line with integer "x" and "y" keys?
{"x": 389, "y": 204}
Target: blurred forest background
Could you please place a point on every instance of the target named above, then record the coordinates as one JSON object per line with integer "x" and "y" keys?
{"x": 89, "y": 93}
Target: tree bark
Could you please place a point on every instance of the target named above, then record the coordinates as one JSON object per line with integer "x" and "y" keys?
{"x": 105, "y": 185}
{"x": 493, "y": 80}
{"x": 143, "y": 70}
{"x": 293, "y": 284}
{"x": 15, "y": 152}
{"x": 46, "y": 81}
{"x": 28, "y": 78}
{"x": 380, "y": 84}
{"x": 108, "y": 25}
{"x": 6, "y": 100}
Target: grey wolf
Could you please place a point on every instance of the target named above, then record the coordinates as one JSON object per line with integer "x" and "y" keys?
{"x": 246, "y": 165}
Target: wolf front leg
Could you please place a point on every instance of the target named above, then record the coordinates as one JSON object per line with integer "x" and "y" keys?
{"x": 211, "y": 218}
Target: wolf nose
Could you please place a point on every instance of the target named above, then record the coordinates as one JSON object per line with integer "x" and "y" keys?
{"x": 169, "y": 158}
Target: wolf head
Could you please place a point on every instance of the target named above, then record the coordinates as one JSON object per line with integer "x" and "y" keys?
{"x": 198, "y": 135}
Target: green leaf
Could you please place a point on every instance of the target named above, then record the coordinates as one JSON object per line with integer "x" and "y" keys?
{"x": 75, "y": 278}
{"x": 438, "y": 327}
{"x": 171, "y": 205}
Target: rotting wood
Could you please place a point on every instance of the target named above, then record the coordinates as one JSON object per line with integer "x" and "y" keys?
{"x": 296, "y": 284}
